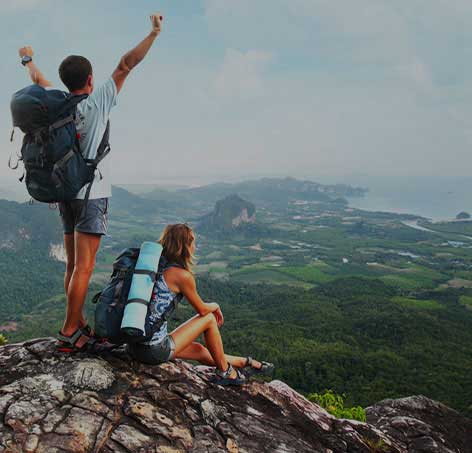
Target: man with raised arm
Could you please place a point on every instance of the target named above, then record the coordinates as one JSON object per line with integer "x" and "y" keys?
{"x": 83, "y": 228}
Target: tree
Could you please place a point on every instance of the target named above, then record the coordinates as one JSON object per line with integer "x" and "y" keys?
{"x": 334, "y": 404}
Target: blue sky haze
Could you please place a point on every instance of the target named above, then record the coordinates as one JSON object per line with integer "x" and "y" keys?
{"x": 237, "y": 88}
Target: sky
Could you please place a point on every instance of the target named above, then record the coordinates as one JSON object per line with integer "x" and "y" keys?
{"x": 235, "y": 89}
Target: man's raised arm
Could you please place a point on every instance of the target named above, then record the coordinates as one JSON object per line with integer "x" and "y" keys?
{"x": 135, "y": 56}
{"x": 26, "y": 53}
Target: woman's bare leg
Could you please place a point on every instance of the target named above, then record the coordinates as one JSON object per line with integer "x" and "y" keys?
{"x": 198, "y": 352}
{"x": 185, "y": 334}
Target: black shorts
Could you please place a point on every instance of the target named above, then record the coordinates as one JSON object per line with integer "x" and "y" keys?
{"x": 93, "y": 220}
{"x": 153, "y": 354}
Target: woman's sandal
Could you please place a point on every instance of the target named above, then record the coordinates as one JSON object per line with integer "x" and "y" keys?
{"x": 223, "y": 377}
{"x": 77, "y": 342}
{"x": 267, "y": 368}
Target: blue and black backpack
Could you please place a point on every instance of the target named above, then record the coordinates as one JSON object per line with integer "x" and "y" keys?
{"x": 55, "y": 169}
{"x": 110, "y": 303}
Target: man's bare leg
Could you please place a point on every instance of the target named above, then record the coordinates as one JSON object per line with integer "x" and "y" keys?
{"x": 86, "y": 248}
{"x": 69, "y": 246}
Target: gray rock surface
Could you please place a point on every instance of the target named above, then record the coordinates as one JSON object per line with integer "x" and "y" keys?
{"x": 53, "y": 402}
{"x": 419, "y": 425}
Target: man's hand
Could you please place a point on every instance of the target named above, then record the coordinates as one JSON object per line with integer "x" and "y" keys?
{"x": 35, "y": 74}
{"x": 26, "y": 51}
{"x": 156, "y": 21}
{"x": 132, "y": 58}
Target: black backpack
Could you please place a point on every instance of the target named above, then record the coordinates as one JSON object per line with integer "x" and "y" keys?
{"x": 55, "y": 169}
{"x": 111, "y": 302}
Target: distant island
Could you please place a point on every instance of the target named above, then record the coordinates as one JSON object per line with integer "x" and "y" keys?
{"x": 463, "y": 216}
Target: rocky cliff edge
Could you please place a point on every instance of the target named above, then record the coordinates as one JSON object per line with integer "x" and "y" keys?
{"x": 52, "y": 402}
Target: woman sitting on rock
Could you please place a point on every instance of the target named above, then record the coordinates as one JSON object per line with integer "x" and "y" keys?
{"x": 177, "y": 281}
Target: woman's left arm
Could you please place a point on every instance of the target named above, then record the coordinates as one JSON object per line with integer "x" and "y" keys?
{"x": 188, "y": 288}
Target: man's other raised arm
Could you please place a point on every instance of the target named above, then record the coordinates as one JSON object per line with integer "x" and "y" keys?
{"x": 136, "y": 55}
{"x": 35, "y": 74}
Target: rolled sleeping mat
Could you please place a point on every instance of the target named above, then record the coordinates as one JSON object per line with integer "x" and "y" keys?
{"x": 142, "y": 284}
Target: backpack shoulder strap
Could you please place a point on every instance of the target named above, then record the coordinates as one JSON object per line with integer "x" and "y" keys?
{"x": 70, "y": 106}
{"x": 102, "y": 151}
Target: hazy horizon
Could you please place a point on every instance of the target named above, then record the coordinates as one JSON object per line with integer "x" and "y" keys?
{"x": 438, "y": 198}
{"x": 240, "y": 89}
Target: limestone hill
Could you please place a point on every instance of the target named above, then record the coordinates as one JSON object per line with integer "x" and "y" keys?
{"x": 229, "y": 214}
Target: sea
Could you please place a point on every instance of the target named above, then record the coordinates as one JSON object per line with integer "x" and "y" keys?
{"x": 436, "y": 198}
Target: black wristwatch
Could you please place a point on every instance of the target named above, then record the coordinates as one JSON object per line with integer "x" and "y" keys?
{"x": 26, "y": 59}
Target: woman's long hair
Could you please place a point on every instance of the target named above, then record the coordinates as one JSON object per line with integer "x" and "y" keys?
{"x": 176, "y": 240}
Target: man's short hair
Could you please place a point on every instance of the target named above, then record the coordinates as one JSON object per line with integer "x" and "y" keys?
{"x": 74, "y": 72}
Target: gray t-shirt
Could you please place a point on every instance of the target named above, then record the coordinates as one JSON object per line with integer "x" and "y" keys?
{"x": 92, "y": 118}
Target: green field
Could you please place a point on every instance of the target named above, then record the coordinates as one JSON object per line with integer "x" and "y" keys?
{"x": 466, "y": 301}
{"x": 417, "y": 303}
{"x": 273, "y": 277}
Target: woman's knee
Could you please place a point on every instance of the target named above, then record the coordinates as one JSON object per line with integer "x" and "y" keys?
{"x": 201, "y": 353}
{"x": 199, "y": 349}
{"x": 210, "y": 320}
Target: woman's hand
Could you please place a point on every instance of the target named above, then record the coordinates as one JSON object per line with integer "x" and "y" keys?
{"x": 216, "y": 310}
{"x": 220, "y": 320}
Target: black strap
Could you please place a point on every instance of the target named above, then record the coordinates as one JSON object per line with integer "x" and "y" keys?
{"x": 138, "y": 301}
{"x": 151, "y": 274}
{"x": 70, "y": 103}
{"x": 60, "y": 123}
{"x": 102, "y": 151}
{"x": 68, "y": 108}
{"x": 122, "y": 273}
{"x": 61, "y": 163}
{"x": 96, "y": 297}
{"x": 105, "y": 143}
{"x": 58, "y": 169}
{"x": 83, "y": 214}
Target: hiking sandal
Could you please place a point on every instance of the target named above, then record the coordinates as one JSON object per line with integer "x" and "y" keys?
{"x": 223, "y": 377}
{"x": 88, "y": 331}
{"x": 267, "y": 368}
{"x": 73, "y": 343}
